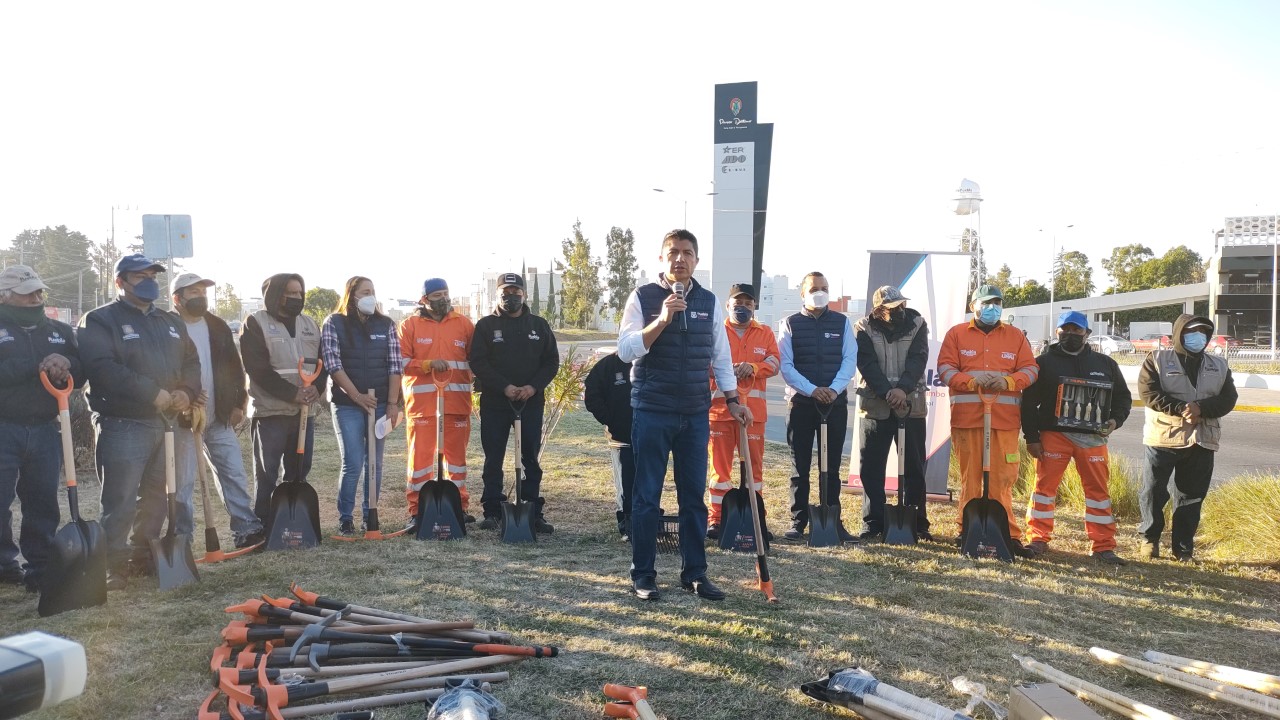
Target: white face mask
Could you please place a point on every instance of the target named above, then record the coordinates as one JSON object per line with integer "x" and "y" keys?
{"x": 816, "y": 300}
{"x": 367, "y": 304}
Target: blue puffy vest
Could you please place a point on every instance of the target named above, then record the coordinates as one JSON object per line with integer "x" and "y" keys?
{"x": 675, "y": 376}
{"x": 364, "y": 355}
{"x": 817, "y": 348}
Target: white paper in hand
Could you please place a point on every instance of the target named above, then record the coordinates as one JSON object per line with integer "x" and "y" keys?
{"x": 382, "y": 427}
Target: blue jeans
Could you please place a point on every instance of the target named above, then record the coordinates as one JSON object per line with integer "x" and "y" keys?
{"x": 222, "y": 449}
{"x": 30, "y": 462}
{"x": 130, "y": 460}
{"x": 350, "y": 423}
{"x": 654, "y": 437}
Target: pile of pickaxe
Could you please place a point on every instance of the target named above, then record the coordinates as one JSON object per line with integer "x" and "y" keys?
{"x": 288, "y": 656}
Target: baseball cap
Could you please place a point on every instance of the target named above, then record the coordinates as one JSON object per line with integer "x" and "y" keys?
{"x": 888, "y": 296}
{"x": 21, "y": 279}
{"x": 985, "y": 293}
{"x": 137, "y": 262}
{"x": 431, "y": 285}
{"x": 186, "y": 280}
{"x": 742, "y": 289}
{"x": 511, "y": 280}
{"x": 1073, "y": 317}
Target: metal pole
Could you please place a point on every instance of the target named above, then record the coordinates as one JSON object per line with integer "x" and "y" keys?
{"x": 686, "y": 215}
{"x": 1053, "y": 282}
{"x": 168, "y": 261}
{"x": 79, "y": 294}
{"x": 1275, "y": 239}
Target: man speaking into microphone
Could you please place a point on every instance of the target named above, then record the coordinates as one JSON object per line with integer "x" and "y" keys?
{"x": 672, "y": 333}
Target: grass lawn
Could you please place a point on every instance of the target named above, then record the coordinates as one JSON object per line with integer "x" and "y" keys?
{"x": 914, "y": 616}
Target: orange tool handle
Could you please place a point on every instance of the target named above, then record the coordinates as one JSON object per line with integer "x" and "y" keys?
{"x": 621, "y": 710}
{"x": 626, "y": 692}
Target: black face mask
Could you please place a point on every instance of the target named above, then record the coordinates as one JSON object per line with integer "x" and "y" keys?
{"x": 22, "y": 316}
{"x": 196, "y": 305}
{"x": 898, "y": 314}
{"x": 1071, "y": 343}
{"x": 439, "y": 307}
{"x": 291, "y": 307}
{"x": 511, "y": 304}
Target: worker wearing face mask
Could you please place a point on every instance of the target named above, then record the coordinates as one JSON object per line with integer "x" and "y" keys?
{"x": 1054, "y": 446}
{"x": 893, "y": 350}
{"x": 995, "y": 357}
{"x": 435, "y": 342}
{"x": 755, "y": 359}
{"x": 514, "y": 356}
{"x": 1186, "y": 392}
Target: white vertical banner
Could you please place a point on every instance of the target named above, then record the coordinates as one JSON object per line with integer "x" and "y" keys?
{"x": 733, "y": 224}
{"x": 936, "y": 283}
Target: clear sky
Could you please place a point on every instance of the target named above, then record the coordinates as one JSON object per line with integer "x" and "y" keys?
{"x": 409, "y": 140}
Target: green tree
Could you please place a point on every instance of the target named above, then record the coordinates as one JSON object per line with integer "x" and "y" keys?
{"x": 1029, "y": 292}
{"x": 551, "y": 296}
{"x": 535, "y": 302}
{"x": 1124, "y": 264}
{"x": 228, "y": 305}
{"x": 1178, "y": 266}
{"x": 1003, "y": 278}
{"x": 1073, "y": 278}
{"x": 580, "y": 286}
{"x": 320, "y": 303}
{"x": 621, "y": 273}
{"x": 104, "y": 256}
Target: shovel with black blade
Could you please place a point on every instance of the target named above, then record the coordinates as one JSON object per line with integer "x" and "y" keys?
{"x": 517, "y": 517}
{"x": 175, "y": 565}
{"x": 736, "y": 531}
{"x": 824, "y": 519}
{"x": 900, "y": 519}
{"x": 212, "y": 547}
{"x": 294, "y": 522}
{"x": 986, "y": 522}
{"x": 439, "y": 502}
{"x": 76, "y": 575}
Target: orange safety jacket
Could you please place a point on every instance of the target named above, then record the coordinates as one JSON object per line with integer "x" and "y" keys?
{"x": 969, "y": 354}
{"x": 758, "y": 347}
{"x": 423, "y": 339}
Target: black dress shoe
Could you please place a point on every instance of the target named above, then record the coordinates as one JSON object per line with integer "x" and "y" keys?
{"x": 713, "y": 531}
{"x": 703, "y": 588}
{"x": 646, "y": 589}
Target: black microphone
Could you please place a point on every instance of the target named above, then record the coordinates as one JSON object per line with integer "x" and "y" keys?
{"x": 678, "y": 288}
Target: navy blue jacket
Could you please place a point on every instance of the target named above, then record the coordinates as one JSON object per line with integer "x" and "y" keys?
{"x": 130, "y": 356}
{"x": 364, "y": 355}
{"x": 23, "y": 398}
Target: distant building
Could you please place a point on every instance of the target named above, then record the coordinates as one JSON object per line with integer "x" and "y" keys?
{"x": 1241, "y": 281}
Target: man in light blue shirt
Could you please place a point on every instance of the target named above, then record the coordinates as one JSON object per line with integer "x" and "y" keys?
{"x": 819, "y": 358}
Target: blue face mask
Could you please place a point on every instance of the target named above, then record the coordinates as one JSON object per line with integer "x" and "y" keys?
{"x": 741, "y": 315}
{"x": 147, "y": 290}
{"x": 1195, "y": 342}
{"x": 990, "y": 314}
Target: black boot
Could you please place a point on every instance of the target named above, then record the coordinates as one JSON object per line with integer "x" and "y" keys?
{"x": 540, "y": 524}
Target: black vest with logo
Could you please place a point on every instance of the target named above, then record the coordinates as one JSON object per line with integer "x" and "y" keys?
{"x": 817, "y": 349}
{"x": 364, "y": 353}
{"x": 675, "y": 376}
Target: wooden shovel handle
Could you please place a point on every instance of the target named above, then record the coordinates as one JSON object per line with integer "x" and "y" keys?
{"x": 64, "y": 423}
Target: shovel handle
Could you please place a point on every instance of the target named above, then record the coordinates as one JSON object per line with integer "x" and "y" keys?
{"x": 170, "y": 470}
{"x": 634, "y": 695}
{"x": 64, "y": 424}
{"x": 620, "y": 710}
{"x": 307, "y": 379}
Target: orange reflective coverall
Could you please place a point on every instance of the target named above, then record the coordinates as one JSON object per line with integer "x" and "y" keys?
{"x": 968, "y": 355}
{"x": 423, "y": 339}
{"x": 757, "y": 347}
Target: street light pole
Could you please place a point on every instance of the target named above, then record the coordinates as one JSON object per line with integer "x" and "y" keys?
{"x": 1275, "y": 239}
{"x": 1053, "y": 278}
{"x": 685, "y": 218}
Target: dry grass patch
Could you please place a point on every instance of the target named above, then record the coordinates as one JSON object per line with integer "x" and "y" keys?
{"x": 915, "y": 616}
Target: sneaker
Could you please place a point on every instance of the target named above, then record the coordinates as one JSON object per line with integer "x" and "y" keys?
{"x": 1108, "y": 557}
{"x": 253, "y": 538}
{"x": 347, "y": 528}
{"x": 488, "y": 523}
{"x": 541, "y": 526}
{"x": 1037, "y": 548}
{"x": 794, "y": 534}
{"x": 646, "y": 589}
{"x": 713, "y": 531}
{"x": 1149, "y": 550}
{"x": 1184, "y": 557}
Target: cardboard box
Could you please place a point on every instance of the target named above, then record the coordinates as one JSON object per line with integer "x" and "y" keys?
{"x": 1046, "y": 701}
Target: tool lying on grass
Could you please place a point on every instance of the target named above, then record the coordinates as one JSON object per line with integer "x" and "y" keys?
{"x": 345, "y": 652}
{"x": 76, "y": 576}
{"x": 635, "y": 703}
{"x": 1113, "y": 701}
{"x": 824, "y": 518}
{"x": 900, "y": 519}
{"x": 372, "y": 529}
{"x": 175, "y": 565}
{"x": 1247, "y": 699}
{"x": 311, "y": 598}
{"x": 985, "y": 526}
{"x": 440, "y": 515}
{"x": 1259, "y": 682}
{"x": 859, "y": 690}
{"x": 212, "y": 548}
{"x": 294, "y": 522}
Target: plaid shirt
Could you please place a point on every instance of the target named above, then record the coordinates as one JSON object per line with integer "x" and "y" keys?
{"x": 331, "y": 350}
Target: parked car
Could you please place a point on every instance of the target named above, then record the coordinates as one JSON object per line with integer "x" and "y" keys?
{"x": 1151, "y": 341}
{"x": 1110, "y": 344}
{"x": 1223, "y": 345}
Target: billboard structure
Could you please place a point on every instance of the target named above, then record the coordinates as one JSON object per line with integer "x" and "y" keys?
{"x": 936, "y": 283}
{"x": 740, "y": 167}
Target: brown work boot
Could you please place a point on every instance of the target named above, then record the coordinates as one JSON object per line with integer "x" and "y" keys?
{"x": 1108, "y": 557}
{"x": 1037, "y": 548}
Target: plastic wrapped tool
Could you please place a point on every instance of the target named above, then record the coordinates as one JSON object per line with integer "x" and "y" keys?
{"x": 467, "y": 701}
{"x": 977, "y": 693}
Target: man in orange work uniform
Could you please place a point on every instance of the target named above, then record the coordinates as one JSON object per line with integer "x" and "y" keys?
{"x": 435, "y": 342}
{"x": 987, "y": 354}
{"x": 754, "y": 351}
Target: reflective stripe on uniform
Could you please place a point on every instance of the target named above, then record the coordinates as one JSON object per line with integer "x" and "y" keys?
{"x": 458, "y": 364}
{"x": 425, "y": 472}
{"x": 723, "y": 486}
{"x": 1041, "y": 514}
{"x": 772, "y": 362}
{"x": 455, "y": 469}
{"x": 451, "y": 387}
{"x": 1097, "y": 504}
{"x": 1099, "y": 519}
{"x": 972, "y": 398}
{"x": 422, "y": 388}
{"x": 1043, "y": 499}
{"x": 946, "y": 372}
